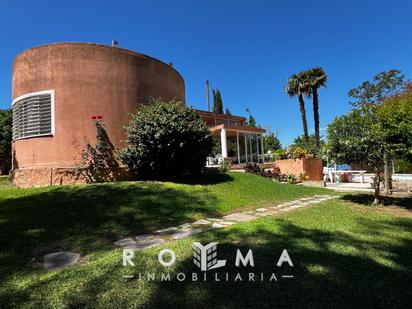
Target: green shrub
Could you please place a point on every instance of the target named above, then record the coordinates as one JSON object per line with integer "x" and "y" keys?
{"x": 225, "y": 166}
{"x": 273, "y": 174}
{"x": 99, "y": 162}
{"x": 166, "y": 140}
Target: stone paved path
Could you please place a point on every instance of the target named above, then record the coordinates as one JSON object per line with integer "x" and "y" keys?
{"x": 188, "y": 229}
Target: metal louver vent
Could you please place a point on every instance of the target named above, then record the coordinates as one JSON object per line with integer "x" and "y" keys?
{"x": 33, "y": 115}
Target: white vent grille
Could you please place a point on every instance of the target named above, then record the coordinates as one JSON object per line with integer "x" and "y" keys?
{"x": 33, "y": 115}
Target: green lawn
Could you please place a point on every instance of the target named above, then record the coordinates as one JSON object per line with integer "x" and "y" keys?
{"x": 345, "y": 254}
{"x": 87, "y": 218}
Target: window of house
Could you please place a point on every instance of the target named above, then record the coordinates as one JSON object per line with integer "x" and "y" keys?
{"x": 221, "y": 121}
{"x": 33, "y": 115}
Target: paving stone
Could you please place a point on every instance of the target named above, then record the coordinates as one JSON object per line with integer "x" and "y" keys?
{"x": 184, "y": 226}
{"x": 143, "y": 244}
{"x": 168, "y": 230}
{"x": 286, "y": 209}
{"x": 143, "y": 236}
{"x": 218, "y": 226}
{"x": 261, "y": 209}
{"x": 227, "y": 223}
{"x": 249, "y": 212}
{"x": 124, "y": 242}
{"x": 262, "y": 214}
{"x": 297, "y": 206}
{"x": 183, "y": 233}
{"x": 214, "y": 220}
{"x": 239, "y": 217}
{"x": 201, "y": 222}
{"x": 59, "y": 260}
{"x": 289, "y": 203}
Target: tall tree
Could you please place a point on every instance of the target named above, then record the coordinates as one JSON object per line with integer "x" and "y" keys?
{"x": 217, "y": 102}
{"x": 382, "y": 85}
{"x": 309, "y": 146}
{"x": 313, "y": 80}
{"x": 227, "y": 111}
{"x": 371, "y": 94}
{"x": 271, "y": 142}
{"x": 354, "y": 138}
{"x": 296, "y": 87}
{"x": 252, "y": 120}
{"x": 395, "y": 121}
{"x": 6, "y": 118}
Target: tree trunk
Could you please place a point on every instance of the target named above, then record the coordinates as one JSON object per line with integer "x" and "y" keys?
{"x": 376, "y": 184}
{"x": 303, "y": 114}
{"x": 386, "y": 173}
{"x": 316, "y": 115}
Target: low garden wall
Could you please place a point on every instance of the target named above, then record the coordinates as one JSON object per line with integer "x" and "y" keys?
{"x": 49, "y": 176}
{"x": 312, "y": 168}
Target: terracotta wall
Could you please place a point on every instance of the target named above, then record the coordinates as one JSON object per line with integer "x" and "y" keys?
{"x": 87, "y": 79}
{"x": 311, "y": 167}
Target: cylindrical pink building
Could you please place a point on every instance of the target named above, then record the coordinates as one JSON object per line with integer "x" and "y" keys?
{"x": 58, "y": 88}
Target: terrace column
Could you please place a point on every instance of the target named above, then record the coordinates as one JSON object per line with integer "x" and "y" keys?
{"x": 257, "y": 147}
{"x": 251, "y": 149}
{"x": 261, "y": 145}
{"x": 238, "y": 147}
{"x": 223, "y": 142}
{"x": 245, "y": 146}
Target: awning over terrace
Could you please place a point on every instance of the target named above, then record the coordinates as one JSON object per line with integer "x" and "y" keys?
{"x": 244, "y": 143}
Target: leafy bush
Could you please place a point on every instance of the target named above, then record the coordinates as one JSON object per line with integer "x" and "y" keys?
{"x": 99, "y": 162}
{"x": 274, "y": 174}
{"x": 6, "y": 119}
{"x": 166, "y": 140}
{"x": 225, "y": 166}
{"x": 296, "y": 152}
{"x": 279, "y": 154}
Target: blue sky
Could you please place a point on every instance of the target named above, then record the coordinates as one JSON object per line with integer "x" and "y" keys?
{"x": 247, "y": 49}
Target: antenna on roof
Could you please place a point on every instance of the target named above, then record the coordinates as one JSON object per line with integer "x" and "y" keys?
{"x": 115, "y": 43}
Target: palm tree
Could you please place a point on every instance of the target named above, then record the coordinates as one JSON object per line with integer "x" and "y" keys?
{"x": 296, "y": 87}
{"x": 314, "y": 79}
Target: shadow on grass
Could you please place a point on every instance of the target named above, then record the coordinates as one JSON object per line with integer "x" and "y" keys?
{"x": 324, "y": 276}
{"x": 88, "y": 218}
{"x": 332, "y": 269}
{"x": 209, "y": 178}
{"x": 367, "y": 199}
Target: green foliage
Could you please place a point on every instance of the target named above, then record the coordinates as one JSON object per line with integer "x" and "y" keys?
{"x": 6, "y": 119}
{"x": 271, "y": 142}
{"x": 308, "y": 145}
{"x": 296, "y": 86}
{"x": 403, "y": 166}
{"x": 274, "y": 174}
{"x": 395, "y": 118}
{"x": 314, "y": 79}
{"x": 225, "y": 166}
{"x": 252, "y": 121}
{"x": 279, "y": 154}
{"x": 296, "y": 152}
{"x": 100, "y": 161}
{"x": 354, "y": 138}
{"x": 217, "y": 102}
{"x": 227, "y": 112}
{"x": 166, "y": 140}
{"x": 383, "y": 85}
